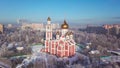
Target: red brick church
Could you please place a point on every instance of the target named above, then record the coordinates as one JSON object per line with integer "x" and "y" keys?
{"x": 63, "y": 45}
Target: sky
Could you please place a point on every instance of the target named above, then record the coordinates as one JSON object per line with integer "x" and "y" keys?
{"x": 73, "y": 11}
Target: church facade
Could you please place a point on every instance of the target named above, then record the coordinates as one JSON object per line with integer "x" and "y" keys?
{"x": 63, "y": 45}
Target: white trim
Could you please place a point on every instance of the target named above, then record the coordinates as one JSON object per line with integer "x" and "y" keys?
{"x": 46, "y": 32}
{"x": 51, "y": 34}
{"x": 64, "y": 47}
{"x": 57, "y": 50}
{"x": 48, "y": 46}
{"x": 74, "y": 49}
{"x": 52, "y": 45}
{"x": 68, "y": 50}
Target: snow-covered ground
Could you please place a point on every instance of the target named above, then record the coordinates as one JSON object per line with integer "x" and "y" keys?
{"x": 36, "y": 48}
{"x": 44, "y": 60}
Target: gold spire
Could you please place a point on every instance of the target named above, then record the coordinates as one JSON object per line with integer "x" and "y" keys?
{"x": 48, "y": 19}
{"x": 65, "y": 25}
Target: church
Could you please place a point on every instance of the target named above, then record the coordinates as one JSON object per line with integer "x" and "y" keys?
{"x": 63, "y": 45}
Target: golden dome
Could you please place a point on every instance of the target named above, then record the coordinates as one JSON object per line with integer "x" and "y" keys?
{"x": 48, "y": 19}
{"x": 69, "y": 33}
{"x": 64, "y": 25}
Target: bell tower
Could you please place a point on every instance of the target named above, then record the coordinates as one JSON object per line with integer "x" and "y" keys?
{"x": 48, "y": 29}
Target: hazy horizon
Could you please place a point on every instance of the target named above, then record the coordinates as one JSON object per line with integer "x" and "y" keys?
{"x": 74, "y": 11}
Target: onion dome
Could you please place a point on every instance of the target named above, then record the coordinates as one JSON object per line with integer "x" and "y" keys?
{"x": 65, "y": 25}
{"x": 66, "y": 33}
{"x": 57, "y": 33}
{"x": 71, "y": 33}
{"x": 48, "y": 19}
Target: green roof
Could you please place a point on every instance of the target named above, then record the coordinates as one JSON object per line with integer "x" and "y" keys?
{"x": 104, "y": 56}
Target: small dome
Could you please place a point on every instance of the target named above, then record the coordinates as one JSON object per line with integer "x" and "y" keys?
{"x": 57, "y": 33}
{"x": 71, "y": 33}
{"x": 48, "y": 19}
{"x": 67, "y": 34}
{"x": 65, "y": 25}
